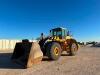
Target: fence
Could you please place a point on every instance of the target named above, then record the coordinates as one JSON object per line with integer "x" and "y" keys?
{"x": 8, "y": 44}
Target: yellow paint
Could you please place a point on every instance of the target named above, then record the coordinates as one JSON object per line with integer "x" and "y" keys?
{"x": 56, "y": 51}
{"x": 68, "y": 37}
{"x": 58, "y": 39}
{"x": 78, "y": 46}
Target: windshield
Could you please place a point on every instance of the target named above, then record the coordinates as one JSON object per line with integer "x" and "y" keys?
{"x": 61, "y": 33}
{"x": 56, "y": 33}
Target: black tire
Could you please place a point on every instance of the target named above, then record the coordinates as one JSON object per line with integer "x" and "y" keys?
{"x": 51, "y": 47}
{"x": 73, "y": 48}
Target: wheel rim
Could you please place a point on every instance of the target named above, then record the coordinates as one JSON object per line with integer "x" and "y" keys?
{"x": 56, "y": 51}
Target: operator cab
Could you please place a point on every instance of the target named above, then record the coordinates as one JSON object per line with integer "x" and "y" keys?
{"x": 59, "y": 32}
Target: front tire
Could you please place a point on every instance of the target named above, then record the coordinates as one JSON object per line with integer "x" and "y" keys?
{"x": 54, "y": 50}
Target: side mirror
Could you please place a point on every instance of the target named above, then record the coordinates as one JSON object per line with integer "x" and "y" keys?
{"x": 50, "y": 31}
{"x": 68, "y": 33}
{"x": 42, "y": 35}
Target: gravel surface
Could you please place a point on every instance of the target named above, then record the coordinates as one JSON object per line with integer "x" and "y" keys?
{"x": 86, "y": 62}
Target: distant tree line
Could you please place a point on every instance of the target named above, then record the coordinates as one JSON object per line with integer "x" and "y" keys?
{"x": 87, "y": 43}
{"x": 91, "y": 42}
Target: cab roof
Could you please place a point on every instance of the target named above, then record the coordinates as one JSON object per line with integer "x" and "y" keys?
{"x": 59, "y": 28}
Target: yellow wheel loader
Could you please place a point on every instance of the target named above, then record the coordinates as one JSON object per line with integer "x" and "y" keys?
{"x": 58, "y": 41}
{"x": 28, "y": 53}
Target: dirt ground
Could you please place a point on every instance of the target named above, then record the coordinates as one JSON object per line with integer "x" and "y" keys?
{"x": 86, "y": 62}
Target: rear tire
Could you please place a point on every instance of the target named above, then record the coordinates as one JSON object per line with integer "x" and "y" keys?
{"x": 53, "y": 50}
{"x": 73, "y": 49}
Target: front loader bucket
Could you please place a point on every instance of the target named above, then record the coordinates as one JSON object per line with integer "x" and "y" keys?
{"x": 27, "y": 54}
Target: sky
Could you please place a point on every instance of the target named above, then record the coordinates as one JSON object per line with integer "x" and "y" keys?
{"x": 27, "y": 19}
